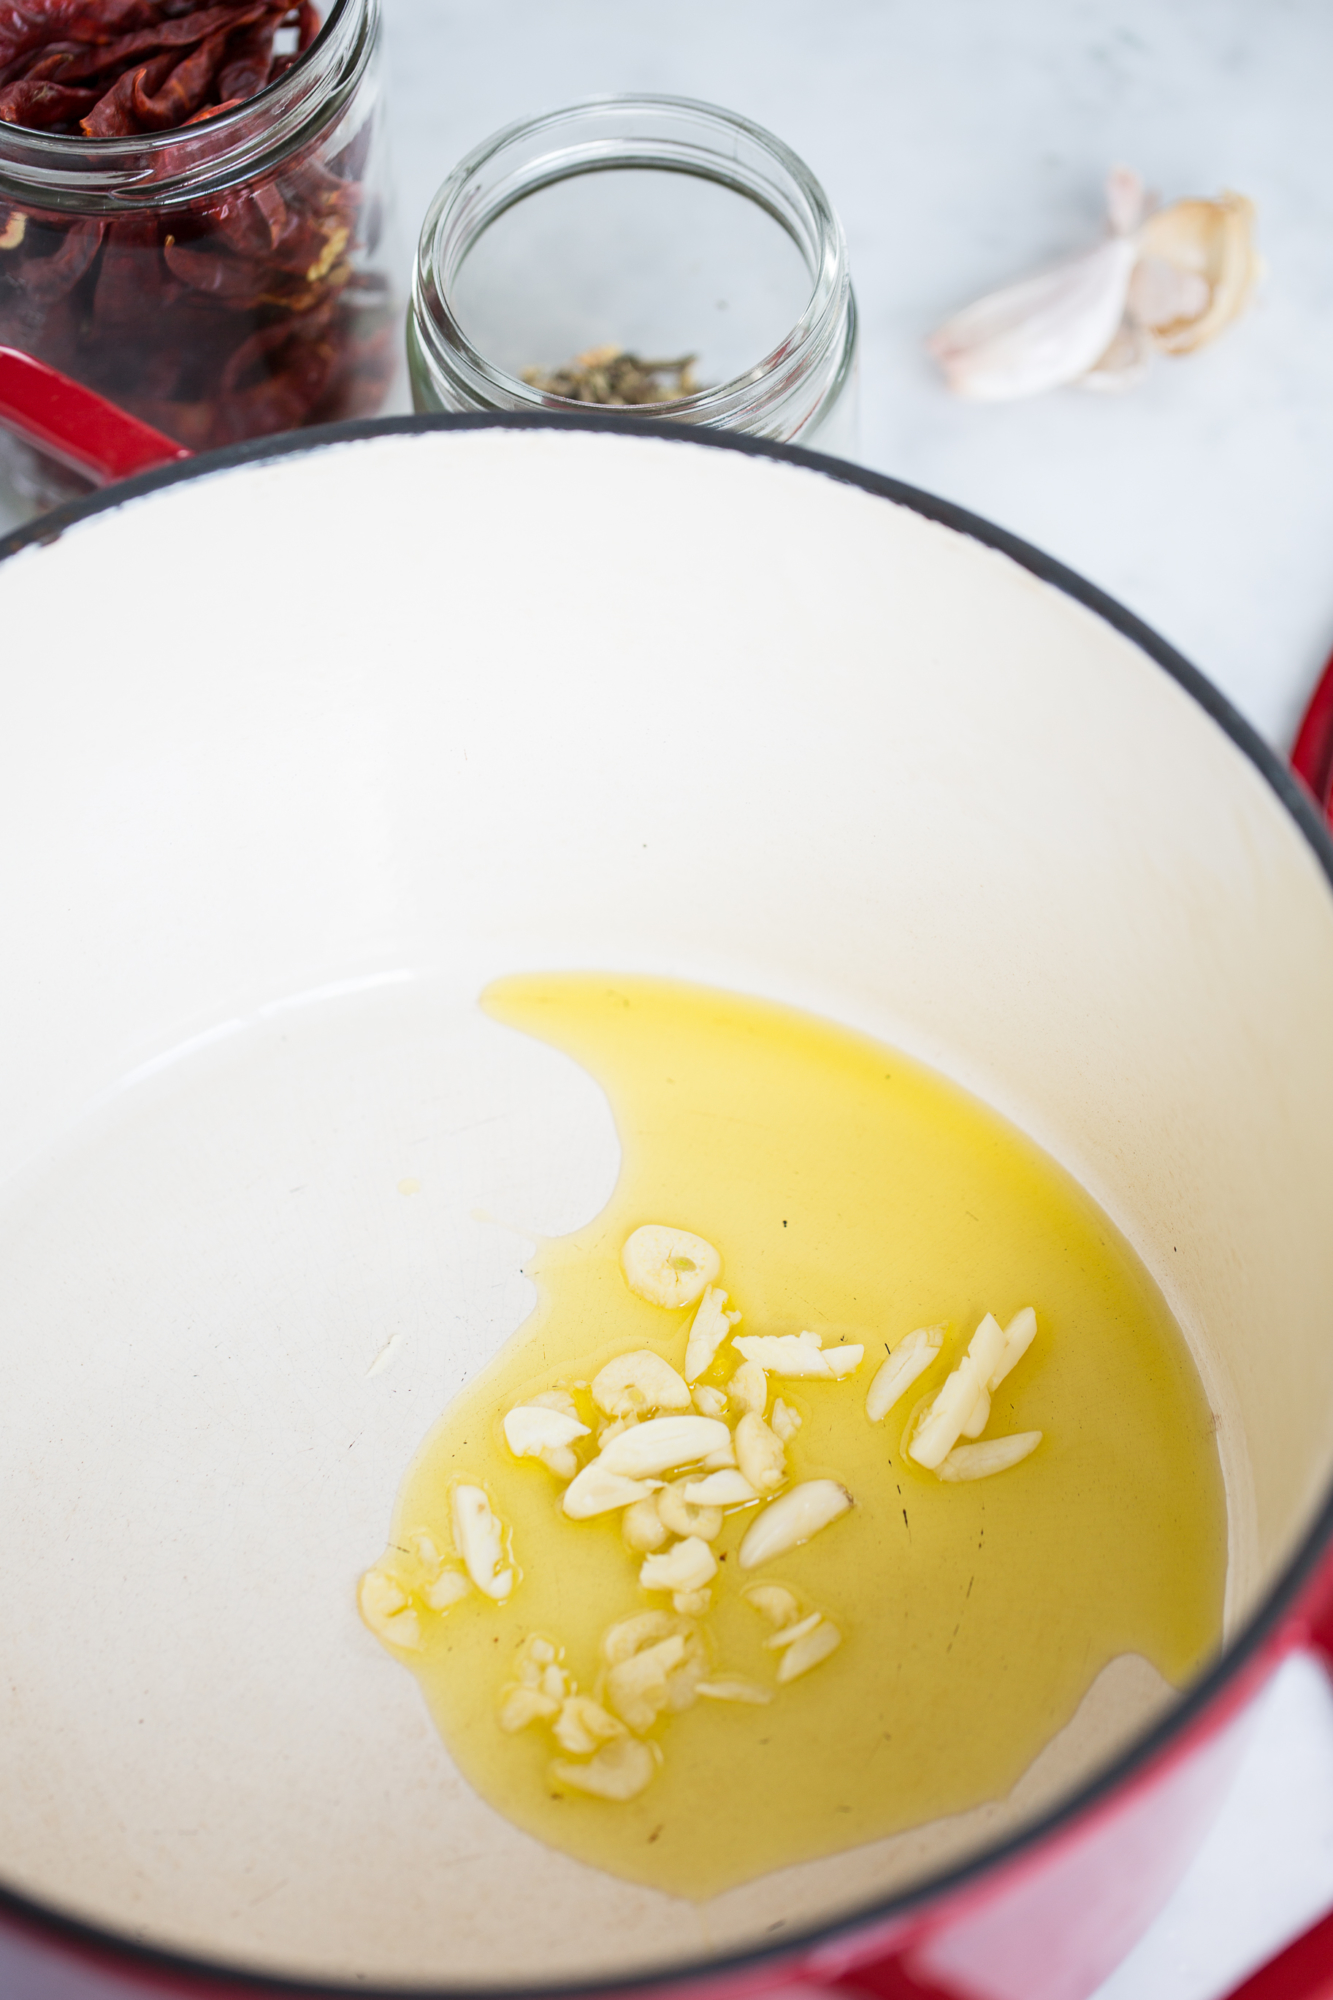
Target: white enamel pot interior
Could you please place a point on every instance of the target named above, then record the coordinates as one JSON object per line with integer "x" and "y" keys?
{"x": 298, "y": 750}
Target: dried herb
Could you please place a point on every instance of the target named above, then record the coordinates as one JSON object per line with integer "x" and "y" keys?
{"x": 225, "y": 318}
{"x": 612, "y": 376}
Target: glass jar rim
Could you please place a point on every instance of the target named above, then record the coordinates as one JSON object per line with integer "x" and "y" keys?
{"x": 459, "y": 215}
{"x": 124, "y": 175}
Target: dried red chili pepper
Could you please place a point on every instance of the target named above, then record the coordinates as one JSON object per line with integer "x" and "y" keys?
{"x": 214, "y": 319}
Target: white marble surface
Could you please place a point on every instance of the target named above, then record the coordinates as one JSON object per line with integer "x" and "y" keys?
{"x": 962, "y": 142}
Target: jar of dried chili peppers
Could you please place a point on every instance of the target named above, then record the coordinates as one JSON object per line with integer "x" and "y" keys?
{"x": 192, "y": 212}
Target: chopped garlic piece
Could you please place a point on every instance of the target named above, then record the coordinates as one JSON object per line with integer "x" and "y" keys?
{"x": 597, "y": 1491}
{"x": 962, "y": 1407}
{"x": 788, "y": 1634}
{"x": 446, "y": 1589}
{"x": 785, "y": 1421}
{"x": 693, "y": 1603}
{"x": 748, "y": 1388}
{"x": 773, "y": 1602}
{"x": 980, "y": 1416}
{"x": 532, "y": 1659}
{"x": 555, "y": 1399}
{"x": 630, "y": 1635}
{"x": 733, "y": 1687}
{"x": 688, "y": 1566}
{"x": 1018, "y": 1337}
{"x": 720, "y": 1489}
{"x": 638, "y": 1688}
{"x": 710, "y": 1328}
{"x": 660, "y": 1445}
{"x": 423, "y": 1548}
{"x": 668, "y": 1267}
{"x": 709, "y": 1402}
{"x": 721, "y": 1459}
{"x": 979, "y": 1461}
{"x": 559, "y": 1459}
{"x": 643, "y": 1527}
{"x": 583, "y": 1723}
{"x": 479, "y": 1539}
{"x": 760, "y": 1455}
{"x": 616, "y": 1428}
{"x": 619, "y": 1771}
{"x": 555, "y": 1682}
{"x": 388, "y": 1610}
{"x": 800, "y": 1355}
{"x": 521, "y": 1705}
{"x": 910, "y": 1358}
{"x": 685, "y": 1517}
{"x": 808, "y": 1651}
{"x": 792, "y": 1519}
{"x": 635, "y": 1382}
{"x": 531, "y": 1429}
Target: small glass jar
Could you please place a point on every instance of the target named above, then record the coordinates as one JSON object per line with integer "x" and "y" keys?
{"x": 222, "y": 280}
{"x": 650, "y": 226}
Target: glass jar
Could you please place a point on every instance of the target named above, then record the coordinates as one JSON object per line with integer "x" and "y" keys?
{"x": 650, "y": 226}
{"x": 222, "y": 280}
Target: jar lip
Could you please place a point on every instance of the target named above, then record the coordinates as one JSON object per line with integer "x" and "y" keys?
{"x": 457, "y": 204}
{"x": 134, "y": 170}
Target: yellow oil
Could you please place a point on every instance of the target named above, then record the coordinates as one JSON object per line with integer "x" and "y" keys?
{"x": 854, "y": 1193}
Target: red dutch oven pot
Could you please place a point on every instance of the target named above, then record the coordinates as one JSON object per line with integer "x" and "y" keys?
{"x": 301, "y": 727}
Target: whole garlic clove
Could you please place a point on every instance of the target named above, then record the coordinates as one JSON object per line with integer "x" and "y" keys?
{"x": 1041, "y": 333}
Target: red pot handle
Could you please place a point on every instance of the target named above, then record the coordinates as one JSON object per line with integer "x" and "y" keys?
{"x": 1312, "y": 754}
{"x": 70, "y": 423}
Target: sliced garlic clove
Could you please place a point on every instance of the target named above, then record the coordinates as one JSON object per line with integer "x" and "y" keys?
{"x": 688, "y": 1566}
{"x": 808, "y": 1651}
{"x": 446, "y": 1589}
{"x": 963, "y": 1400}
{"x": 721, "y": 1459}
{"x": 709, "y": 1402}
{"x": 686, "y": 1517}
{"x": 619, "y": 1771}
{"x": 786, "y": 1635}
{"x": 844, "y": 1359}
{"x": 894, "y": 1377}
{"x": 748, "y": 1388}
{"x": 531, "y": 1429}
{"x": 979, "y": 1461}
{"x": 773, "y": 1602}
{"x": 583, "y": 1724}
{"x": 520, "y": 1706}
{"x": 1212, "y": 241}
{"x": 1041, "y": 332}
{"x": 597, "y": 1491}
{"x": 720, "y": 1489}
{"x": 479, "y": 1539}
{"x": 643, "y": 1527}
{"x": 668, "y": 1267}
{"x": 388, "y": 1610}
{"x": 710, "y": 1328}
{"x": 636, "y": 1382}
{"x": 785, "y": 1421}
{"x": 732, "y": 1687}
{"x": 660, "y": 1445}
{"x": 759, "y": 1454}
{"x": 986, "y": 1347}
{"x": 792, "y": 1519}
